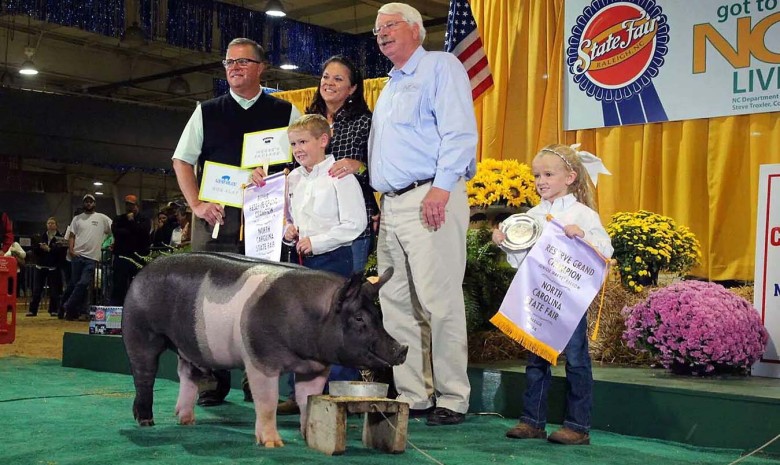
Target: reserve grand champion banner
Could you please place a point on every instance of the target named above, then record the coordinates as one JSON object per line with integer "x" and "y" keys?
{"x": 551, "y": 291}
{"x": 643, "y": 61}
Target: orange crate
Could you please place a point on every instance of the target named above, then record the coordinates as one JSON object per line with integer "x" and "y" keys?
{"x": 7, "y": 300}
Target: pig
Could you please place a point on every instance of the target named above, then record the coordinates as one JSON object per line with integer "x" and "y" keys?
{"x": 223, "y": 311}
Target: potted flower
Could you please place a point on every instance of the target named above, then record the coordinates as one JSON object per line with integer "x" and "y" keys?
{"x": 502, "y": 182}
{"x": 696, "y": 327}
{"x": 646, "y": 243}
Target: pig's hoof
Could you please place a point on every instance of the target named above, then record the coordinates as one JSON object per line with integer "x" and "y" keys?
{"x": 149, "y": 422}
{"x": 187, "y": 420}
{"x": 273, "y": 444}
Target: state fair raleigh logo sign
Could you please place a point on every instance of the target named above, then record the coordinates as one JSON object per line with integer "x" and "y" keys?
{"x": 615, "y": 50}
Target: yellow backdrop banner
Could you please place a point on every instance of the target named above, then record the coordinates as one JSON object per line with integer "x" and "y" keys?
{"x": 703, "y": 173}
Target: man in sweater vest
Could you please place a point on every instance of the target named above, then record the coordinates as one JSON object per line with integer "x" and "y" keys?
{"x": 215, "y": 132}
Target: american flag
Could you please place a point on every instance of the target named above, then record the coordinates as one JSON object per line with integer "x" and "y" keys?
{"x": 463, "y": 40}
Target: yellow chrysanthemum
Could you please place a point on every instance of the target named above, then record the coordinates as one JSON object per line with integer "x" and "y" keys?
{"x": 502, "y": 182}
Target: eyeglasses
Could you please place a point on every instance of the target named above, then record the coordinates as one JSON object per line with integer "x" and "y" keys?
{"x": 242, "y": 62}
{"x": 389, "y": 26}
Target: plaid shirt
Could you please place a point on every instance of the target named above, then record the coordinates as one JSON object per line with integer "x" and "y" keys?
{"x": 350, "y": 140}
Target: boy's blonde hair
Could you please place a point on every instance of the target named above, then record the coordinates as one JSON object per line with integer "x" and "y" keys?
{"x": 316, "y": 125}
{"x": 582, "y": 187}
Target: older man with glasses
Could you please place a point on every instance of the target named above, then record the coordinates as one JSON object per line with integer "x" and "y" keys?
{"x": 215, "y": 132}
{"x": 422, "y": 149}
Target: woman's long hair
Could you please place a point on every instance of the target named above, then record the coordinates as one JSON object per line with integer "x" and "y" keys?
{"x": 355, "y": 103}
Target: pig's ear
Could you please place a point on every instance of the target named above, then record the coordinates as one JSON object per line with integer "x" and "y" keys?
{"x": 373, "y": 289}
{"x": 350, "y": 289}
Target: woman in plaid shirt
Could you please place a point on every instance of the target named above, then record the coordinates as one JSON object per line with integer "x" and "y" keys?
{"x": 340, "y": 100}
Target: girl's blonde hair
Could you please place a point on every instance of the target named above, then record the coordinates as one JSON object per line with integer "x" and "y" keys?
{"x": 582, "y": 187}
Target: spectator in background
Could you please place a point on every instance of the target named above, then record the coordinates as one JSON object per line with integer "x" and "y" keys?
{"x": 161, "y": 236}
{"x": 181, "y": 235}
{"x": 131, "y": 239}
{"x": 7, "y": 230}
{"x": 50, "y": 252}
{"x": 86, "y": 235}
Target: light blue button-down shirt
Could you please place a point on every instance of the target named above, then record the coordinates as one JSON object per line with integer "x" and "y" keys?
{"x": 423, "y": 125}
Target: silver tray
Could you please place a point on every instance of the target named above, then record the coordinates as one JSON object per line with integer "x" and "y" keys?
{"x": 521, "y": 230}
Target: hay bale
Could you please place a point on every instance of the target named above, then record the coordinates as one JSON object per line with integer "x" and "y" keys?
{"x": 609, "y": 346}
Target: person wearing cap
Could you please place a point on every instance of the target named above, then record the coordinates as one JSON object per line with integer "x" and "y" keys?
{"x": 131, "y": 239}
{"x": 85, "y": 236}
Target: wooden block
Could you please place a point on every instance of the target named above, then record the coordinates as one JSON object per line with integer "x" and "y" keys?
{"x": 384, "y": 423}
{"x": 326, "y": 427}
{"x": 385, "y": 430}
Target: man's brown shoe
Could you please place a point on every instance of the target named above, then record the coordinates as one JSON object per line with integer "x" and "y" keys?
{"x": 288, "y": 407}
{"x": 569, "y": 437}
{"x": 526, "y": 431}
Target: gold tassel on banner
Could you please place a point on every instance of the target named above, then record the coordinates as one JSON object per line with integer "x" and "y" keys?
{"x": 523, "y": 338}
{"x": 595, "y": 333}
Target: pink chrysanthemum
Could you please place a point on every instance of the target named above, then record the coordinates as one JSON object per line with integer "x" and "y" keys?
{"x": 696, "y": 324}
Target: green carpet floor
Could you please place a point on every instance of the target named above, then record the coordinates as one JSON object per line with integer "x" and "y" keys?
{"x": 53, "y": 415}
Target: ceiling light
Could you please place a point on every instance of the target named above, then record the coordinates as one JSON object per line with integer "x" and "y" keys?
{"x": 97, "y": 183}
{"x": 28, "y": 67}
{"x": 275, "y": 8}
{"x": 133, "y": 36}
{"x": 289, "y": 66}
{"x": 98, "y": 193}
{"x": 179, "y": 86}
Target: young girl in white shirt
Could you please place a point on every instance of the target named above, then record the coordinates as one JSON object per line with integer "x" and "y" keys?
{"x": 562, "y": 182}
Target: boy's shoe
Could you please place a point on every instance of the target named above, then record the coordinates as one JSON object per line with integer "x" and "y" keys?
{"x": 569, "y": 437}
{"x": 526, "y": 431}
{"x": 288, "y": 407}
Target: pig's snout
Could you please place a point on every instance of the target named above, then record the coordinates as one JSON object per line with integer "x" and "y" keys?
{"x": 400, "y": 356}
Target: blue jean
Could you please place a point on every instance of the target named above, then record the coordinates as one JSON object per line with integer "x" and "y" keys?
{"x": 579, "y": 385}
{"x": 361, "y": 248}
{"x": 82, "y": 272}
{"x": 337, "y": 261}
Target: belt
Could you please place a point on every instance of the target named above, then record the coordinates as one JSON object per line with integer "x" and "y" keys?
{"x": 406, "y": 189}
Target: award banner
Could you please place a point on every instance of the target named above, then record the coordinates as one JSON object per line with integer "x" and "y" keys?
{"x": 223, "y": 184}
{"x": 550, "y": 293}
{"x": 766, "y": 290}
{"x": 264, "y": 218}
{"x": 271, "y": 147}
{"x": 643, "y": 61}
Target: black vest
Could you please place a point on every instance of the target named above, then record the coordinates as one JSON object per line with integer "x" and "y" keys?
{"x": 225, "y": 123}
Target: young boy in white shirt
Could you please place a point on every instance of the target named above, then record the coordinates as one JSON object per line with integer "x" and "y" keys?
{"x": 327, "y": 213}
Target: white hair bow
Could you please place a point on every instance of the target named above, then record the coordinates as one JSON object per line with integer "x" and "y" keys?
{"x": 592, "y": 163}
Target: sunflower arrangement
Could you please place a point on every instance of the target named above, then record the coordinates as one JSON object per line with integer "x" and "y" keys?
{"x": 502, "y": 182}
{"x": 646, "y": 243}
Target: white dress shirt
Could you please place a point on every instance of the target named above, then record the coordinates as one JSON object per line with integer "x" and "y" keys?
{"x": 329, "y": 211}
{"x": 567, "y": 210}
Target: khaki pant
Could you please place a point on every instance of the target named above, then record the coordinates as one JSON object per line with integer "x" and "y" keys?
{"x": 423, "y": 303}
